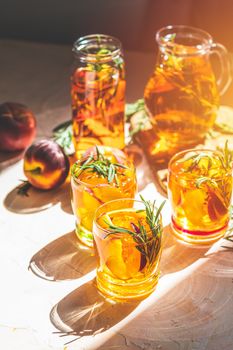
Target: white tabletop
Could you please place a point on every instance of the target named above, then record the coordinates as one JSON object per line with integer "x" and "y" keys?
{"x": 192, "y": 306}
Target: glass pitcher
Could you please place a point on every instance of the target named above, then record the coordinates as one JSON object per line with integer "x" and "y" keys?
{"x": 182, "y": 95}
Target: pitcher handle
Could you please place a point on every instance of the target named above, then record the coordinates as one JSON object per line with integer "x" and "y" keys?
{"x": 225, "y": 78}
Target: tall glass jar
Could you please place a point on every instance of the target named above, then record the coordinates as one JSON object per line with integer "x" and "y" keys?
{"x": 98, "y": 93}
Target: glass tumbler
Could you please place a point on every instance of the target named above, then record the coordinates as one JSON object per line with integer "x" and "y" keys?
{"x": 128, "y": 248}
{"x": 200, "y": 189}
{"x": 90, "y": 189}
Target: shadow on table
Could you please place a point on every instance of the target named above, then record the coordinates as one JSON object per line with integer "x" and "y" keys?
{"x": 176, "y": 255}
{"x": 38, "y": 200}
{"x": 189, "y": 306}
{"x": 63, "y": 259}
{"x": 9, "y": 158}
{"x": 85, "y": 312}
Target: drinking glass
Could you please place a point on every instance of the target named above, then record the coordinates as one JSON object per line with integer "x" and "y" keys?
{"x": 200, "y": 189}
{"x": 90, "y": 189}
{"x": 127, "y": 240}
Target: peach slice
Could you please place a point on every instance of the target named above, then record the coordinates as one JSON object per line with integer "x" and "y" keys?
{"x": 193, "y": 205}
{"x": 123, "y": 257}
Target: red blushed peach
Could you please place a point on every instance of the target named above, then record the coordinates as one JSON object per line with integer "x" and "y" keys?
{"x": 17, "y": 127}
{"x": 46, "y": 166}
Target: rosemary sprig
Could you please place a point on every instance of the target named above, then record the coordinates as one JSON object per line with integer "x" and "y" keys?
{"x": 152, "y": 215}
{"x": 196, "y": 158}
{"x": 101, "y": 165}
{"x": 147, "y": 245}
{"x": 210, "y": 177}
{"x": 226, "y": 157}
{"x": 206, "y": 180}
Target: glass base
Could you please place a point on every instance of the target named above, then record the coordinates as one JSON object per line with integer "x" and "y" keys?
{"x": 197, "y": 237}
{"x": 127, "y": 291}
{"x": 84, "y": 235}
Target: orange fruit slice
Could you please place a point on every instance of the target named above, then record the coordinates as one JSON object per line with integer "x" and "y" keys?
{"x": 194, "y": 206}
{"x": 123, "y": 257}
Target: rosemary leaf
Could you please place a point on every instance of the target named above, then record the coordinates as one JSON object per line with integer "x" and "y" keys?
{"x": 101, "y": 165}
{"x": 207, "y": 180}
{"x": 147, "y": 245}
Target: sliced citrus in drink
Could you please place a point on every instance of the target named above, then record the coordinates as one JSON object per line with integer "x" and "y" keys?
{"x": 123, "y": 258}
{"x": 194, "y": 206}
{"x": 106, "y": 192}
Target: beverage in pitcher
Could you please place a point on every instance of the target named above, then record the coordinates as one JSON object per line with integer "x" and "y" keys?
{"x": 182, "y": 95}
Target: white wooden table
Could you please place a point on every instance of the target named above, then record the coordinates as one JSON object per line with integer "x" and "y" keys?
{"x": 192, "y": 307}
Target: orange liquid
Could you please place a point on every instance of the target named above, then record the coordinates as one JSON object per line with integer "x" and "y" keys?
{"x": 90, "y": 190}
{"x": 200, "y": 211}
{"x": 123, "y": 271}
{"x": 98, "y": 102}
{"x": 182, "y": 99}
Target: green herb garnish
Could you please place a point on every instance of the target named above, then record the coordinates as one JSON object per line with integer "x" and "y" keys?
{"x": 148, "y": 245}
{"x": 225, "y": 157}
{"x": 206, "y": 180}
{"x": 101, "y": 165}
{"x": 196, "y": 160}
{"x": 132, "y": 108}
{"x": 63, "y": 134}
{"x": 212, "y": 178}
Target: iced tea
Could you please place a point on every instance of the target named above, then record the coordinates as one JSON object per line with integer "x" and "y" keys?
{"x": 182, "y": 94}
{"x": 103, "y": 174}
{"x": 200, "y": 188}
{"x": 127, "y": 237}
{"x": 98, "y": 94}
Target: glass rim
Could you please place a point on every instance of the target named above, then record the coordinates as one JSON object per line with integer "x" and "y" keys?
{"x": 206, "y": 40}
{"x": 197, "y": 150}
{"x": 122, "y": 200}
{"x": 82, "y": 43}
{"x": 80, "y": 182}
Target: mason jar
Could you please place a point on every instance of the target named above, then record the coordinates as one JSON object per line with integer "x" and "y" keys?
{"x": 98, "y": 92}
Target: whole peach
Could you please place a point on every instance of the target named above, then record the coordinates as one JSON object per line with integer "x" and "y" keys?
{"x": 17, "y": 127}
{"x": 46, "y": 166}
